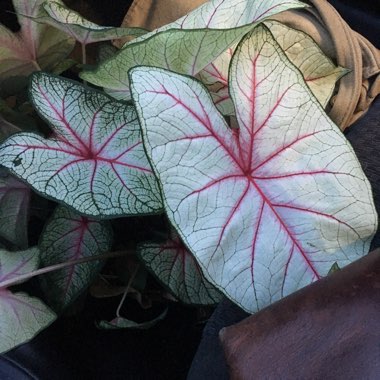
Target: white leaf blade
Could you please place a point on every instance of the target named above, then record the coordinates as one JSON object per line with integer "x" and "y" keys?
{"x": 81, "y": 29}
{"x": 66, "y": 237}
{"x": 247, "y": 245}
{"x": 188, "y": 44}
{"x": 21, "y": 318}
{"x": 94, "y": 161}
{"x": 177, "y": 269}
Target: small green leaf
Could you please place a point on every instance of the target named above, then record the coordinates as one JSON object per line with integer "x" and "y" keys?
{"x": 123, "y": 323}
{"x": 81, "y": 29}
{"x": 94, "y": 161}
{"x": 21, "y": 316}
{"x": 68, "y": 236}
{"x": 14, "y": 210}
{"x": 176, "y": 268}
{"x": 334, "y": 268}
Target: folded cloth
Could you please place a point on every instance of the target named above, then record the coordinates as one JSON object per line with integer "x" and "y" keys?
{"x": 327, "y": 330}
{"x": 347, "y": 48}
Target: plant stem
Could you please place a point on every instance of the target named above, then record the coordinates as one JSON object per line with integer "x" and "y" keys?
{"x": 51, "y": 268}
{"x": 126, "y": 291}
{"x": 83, "y": 54}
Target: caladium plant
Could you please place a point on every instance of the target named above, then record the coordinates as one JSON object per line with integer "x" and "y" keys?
{"x": 259, "y": 206}
{"x": 263, "y": 207}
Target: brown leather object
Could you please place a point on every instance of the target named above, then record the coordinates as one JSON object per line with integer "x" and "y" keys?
{"x": 327, "y": 330}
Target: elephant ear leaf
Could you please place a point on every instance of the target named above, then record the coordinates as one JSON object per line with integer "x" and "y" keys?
{"x": 265, "y": 208}
{"x": 175, "y": 267}
{"x": 35, "y": 47}
{"x": 21, "y": 316}
{"x": 94, "y": 161}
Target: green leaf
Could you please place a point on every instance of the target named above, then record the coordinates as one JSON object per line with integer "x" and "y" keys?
{"x": 21, "y": 316}
{"x": 176, "y": 268}
{"x": 94, "y": 161}
{"x": 123, "y": 323}
{"x": 14, "y": 210}
{"x": 265, "y": 208}
{"x": 68, "y": 236}
{"x": 86, "y": 32}
{"x": 34, "y": 47}
{"x": 187, "y": 45}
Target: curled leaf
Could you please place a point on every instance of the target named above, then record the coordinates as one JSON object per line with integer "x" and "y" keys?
{"x": 124, "y": 323}
{"x": 72, "y": 23}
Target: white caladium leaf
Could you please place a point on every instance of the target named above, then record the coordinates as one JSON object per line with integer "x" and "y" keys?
{"x": 65, "y": 19}
{"x": 68, "y": 236}
{"x": 187, "y": 45}
{"x": 34, "y": 47}
{"x": 184, "y": 51}
{"x": 21, "y": 316}
{"x": 94, "y": 161}
{"x": 268, "y": 207}
{"x": 176, "y": 268}
{"x": 14, "y": 209}
{"x": 318, "y": 70}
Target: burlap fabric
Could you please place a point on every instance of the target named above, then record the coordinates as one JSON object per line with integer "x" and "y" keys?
{"x": 355, "y": 91}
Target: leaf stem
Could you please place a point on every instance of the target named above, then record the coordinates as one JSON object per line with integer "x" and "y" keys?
{"x": 51, "y": 268}
{"x": 83, "y": 54}
{"x": 126, "y": 291}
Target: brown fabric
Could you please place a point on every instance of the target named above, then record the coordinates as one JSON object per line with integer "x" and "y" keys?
{"x": 328, "y": 330}
{"x": 355, "y": 91}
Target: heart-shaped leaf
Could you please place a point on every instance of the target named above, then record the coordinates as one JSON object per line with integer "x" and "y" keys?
{"x": 14, "y": 209}
{"x": 176, "y": 268}
{"x": 94, "y": 161}
{"x": 21, "y": 316}
{"x": 34, "y": 47}
{"x": 187, "y": 45}
{"x": 72, "y": 23}
{"x": 268, "y": 207}
{"x": 319, "y": 72}
{"x": 66, "y": 237}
